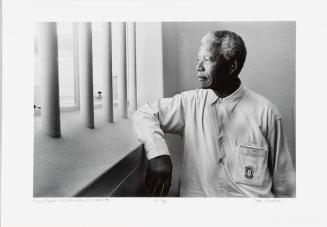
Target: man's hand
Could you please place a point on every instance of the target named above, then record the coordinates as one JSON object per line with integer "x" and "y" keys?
{"x": 158, "y": 175}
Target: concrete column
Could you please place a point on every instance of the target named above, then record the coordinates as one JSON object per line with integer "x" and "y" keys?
{"x": 131, "y": 60}
{"x": 106, "y": 71}
{"x": 119, "y": 36}
{"x": 86, "y": 73}
{"x": 48, "y": 70}
{"x": 76, "y": 70}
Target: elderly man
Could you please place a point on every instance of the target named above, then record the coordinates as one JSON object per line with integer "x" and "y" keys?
{"x": 234, "y": 142}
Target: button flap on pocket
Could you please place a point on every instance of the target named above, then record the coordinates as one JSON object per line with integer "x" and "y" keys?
{"x": 252, "y": 149}
{"x": 251, "y": 164}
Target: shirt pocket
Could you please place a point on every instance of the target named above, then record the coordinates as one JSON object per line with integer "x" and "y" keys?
{"x": 251, "y": 165}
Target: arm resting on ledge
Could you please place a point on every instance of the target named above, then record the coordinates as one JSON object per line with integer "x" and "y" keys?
{"x": 151, "y": 122}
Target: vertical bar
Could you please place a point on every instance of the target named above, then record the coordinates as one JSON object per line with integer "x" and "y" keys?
{"x": 76, "y": 71}
{"x": 106, "y": 71}
{"x": 131, "y": 50}
{"x": 86, "y": 73}
{"x": 119, "y": 31}
{"x": 48, "y": 69}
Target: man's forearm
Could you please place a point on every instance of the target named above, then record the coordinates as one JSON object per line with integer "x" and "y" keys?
{"x": 152, "y": 121}
{"x": 148, "y": 131}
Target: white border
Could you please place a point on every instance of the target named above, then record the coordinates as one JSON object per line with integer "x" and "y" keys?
{"x": 20, "y": 209}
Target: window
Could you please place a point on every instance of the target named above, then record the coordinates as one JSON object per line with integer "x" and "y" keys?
{"x": 80, "y": 162}
{"x": 68, "y": 79}
{"x": 97, "y": 79}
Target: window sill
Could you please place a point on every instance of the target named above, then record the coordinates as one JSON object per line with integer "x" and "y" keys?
{"x": 37, "y": 111}
{"x": 65, "y": 166}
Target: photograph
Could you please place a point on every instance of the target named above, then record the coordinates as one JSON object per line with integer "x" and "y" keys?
{"x": 162, "y": 113}
{"x": 164, "y": 109}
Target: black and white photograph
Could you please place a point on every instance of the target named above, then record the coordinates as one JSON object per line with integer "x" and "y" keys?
{"x": 177, "y": 109}
{"x": 162, "y": 113}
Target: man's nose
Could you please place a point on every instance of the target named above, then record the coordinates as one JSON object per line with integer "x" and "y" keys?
{"x": 199, "y": 66}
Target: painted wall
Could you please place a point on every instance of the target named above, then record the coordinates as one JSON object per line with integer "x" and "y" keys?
{"x": 170, "y": 86}
{"x": 149, "y": 62}
{"x": 268, "y": 70}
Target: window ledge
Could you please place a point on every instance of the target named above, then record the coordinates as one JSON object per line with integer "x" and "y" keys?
{"x": 65, "y": 166}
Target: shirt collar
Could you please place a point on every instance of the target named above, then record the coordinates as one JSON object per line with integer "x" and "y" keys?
{"x": 230, "y": 100}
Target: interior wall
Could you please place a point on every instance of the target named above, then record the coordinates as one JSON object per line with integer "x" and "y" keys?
{"x": 149, "y": 67}
{"x": 269, "y": 68}
{"x": 170, "y": 86}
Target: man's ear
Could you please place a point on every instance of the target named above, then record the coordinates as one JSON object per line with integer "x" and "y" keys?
{"x": 233, "y": 67}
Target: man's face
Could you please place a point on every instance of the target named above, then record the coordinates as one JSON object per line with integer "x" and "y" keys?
{"x": 211, "y": 69}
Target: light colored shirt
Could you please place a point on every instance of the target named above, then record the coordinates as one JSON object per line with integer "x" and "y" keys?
{"x": 233, "y": 146}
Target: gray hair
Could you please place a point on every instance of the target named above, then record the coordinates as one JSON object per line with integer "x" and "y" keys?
{"x": 228, "y": 45}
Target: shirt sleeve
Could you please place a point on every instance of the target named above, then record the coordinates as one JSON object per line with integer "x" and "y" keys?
{"x": 152, "y": 121}
{"x": 280, "y": 162}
